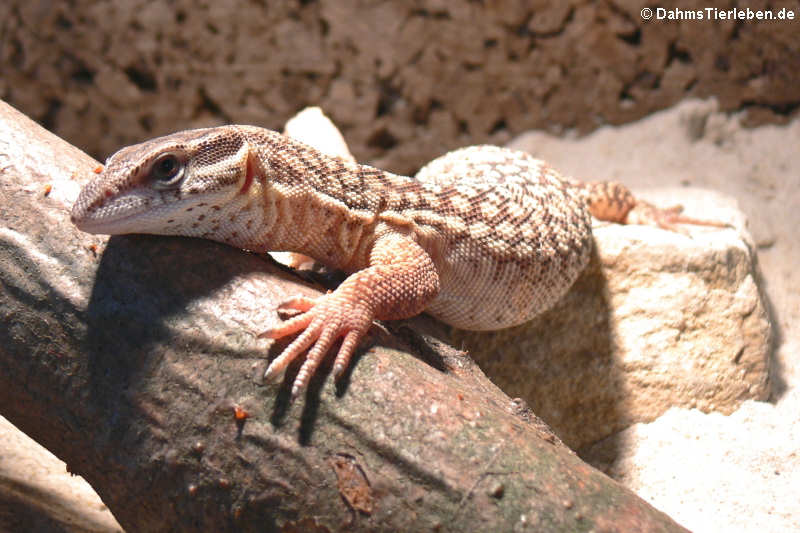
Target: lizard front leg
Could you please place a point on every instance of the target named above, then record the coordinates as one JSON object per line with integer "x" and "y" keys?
{"x": 399, "y": 282}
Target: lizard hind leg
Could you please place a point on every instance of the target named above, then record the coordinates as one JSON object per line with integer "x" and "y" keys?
{"x": 667, "y": 218}
{"x": 612, "y": 201}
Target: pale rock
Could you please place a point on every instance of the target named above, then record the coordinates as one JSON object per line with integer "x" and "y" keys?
{"x": 658, "y": 319}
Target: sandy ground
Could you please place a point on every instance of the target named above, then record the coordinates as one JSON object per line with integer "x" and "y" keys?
{"x": 708, "y": 471}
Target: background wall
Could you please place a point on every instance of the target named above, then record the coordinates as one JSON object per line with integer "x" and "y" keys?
{"x": 405, "y": 80}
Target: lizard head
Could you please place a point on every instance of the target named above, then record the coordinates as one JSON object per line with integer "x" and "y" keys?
{"x": 165, "y": 185}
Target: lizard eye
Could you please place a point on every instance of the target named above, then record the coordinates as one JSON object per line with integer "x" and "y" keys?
{"x": 166, "y": 170}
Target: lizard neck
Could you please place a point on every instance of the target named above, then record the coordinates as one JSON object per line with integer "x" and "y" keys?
{"x": 295, "y": 198}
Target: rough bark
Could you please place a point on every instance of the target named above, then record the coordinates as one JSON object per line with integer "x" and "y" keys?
{"x": 134, "y": 359}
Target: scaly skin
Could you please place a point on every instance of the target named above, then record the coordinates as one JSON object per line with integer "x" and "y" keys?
{"x": 483, "y": 238}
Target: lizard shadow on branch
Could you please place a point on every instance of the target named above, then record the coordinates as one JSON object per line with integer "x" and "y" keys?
{"x": 142, "y": 284}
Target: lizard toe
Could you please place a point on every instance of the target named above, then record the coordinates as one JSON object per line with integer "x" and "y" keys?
{"x": 289, "y": 327}
{"x": 346, "y": 351}
{"x": 313, "y": 360}
{"x": 297, "y": 304}
{"x": 290, "y": 353}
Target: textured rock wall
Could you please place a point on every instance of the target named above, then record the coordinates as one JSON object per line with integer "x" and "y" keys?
{"x": 405, "y": 80}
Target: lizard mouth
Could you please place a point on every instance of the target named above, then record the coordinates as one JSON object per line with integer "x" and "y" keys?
{"x": 100, "y": 209}
{"x": 102, "y": 225}
{"x": 120, "y": 215}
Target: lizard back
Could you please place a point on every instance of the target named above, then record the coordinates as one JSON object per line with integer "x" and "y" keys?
{"x": 507, "y": 233}
{"x": 516, "y": 234}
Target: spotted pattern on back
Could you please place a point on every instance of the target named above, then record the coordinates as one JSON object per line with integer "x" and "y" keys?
{"x": 507, "y": 233}
{"x": 518, "y": 216}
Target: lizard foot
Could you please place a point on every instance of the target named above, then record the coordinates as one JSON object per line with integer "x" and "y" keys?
{"x": 322, "y": 321}
{"x": 667, "y": 218}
